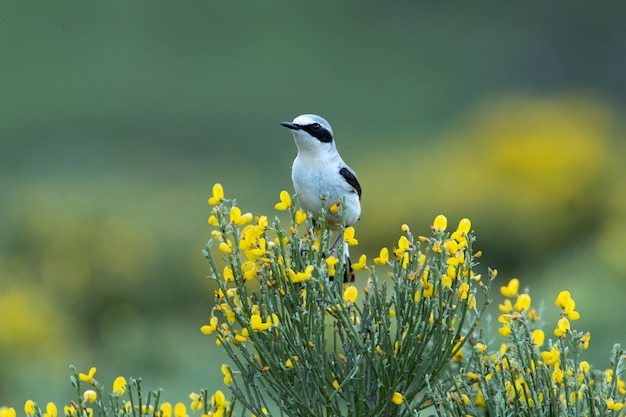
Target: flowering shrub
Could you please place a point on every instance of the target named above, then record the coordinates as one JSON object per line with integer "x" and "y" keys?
{"x": 406, "y": 343}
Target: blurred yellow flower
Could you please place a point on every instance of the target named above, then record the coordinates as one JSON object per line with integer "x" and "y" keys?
{"x": 464, "y": 226}
{"x": 440, "y": 224}
{"x": 585, "y": 340}
{"x": 334, "y": 208}
{"x": 361, "y": 265}
{"x": 522, "y": 303}
{"x": 348, "y": 236}
{"x": 403, "y": 246}
{"x": 219, "y": 400}
{"x": 166, "y": 409}
{"x": 88, "y": 377}
{"x": 510, "y": 290}
{"x": 285, "y": 201}
{"x": 30, "y": 408}
{"x": 562, "y": 327}
{"x": 331, "y": 261}
{"x": 90, "y": 396}
{"x": 218, "y": 194}
{"x": 237, "y": 218}
{"x": 228, "y": 377}
{"x": 301, "y": 276}
{"x": 538, "y": 337}
{"x": 397, "y": 398}
{"x": 180, "y": 410}
{"x": 383, "y": 257}
{"x": 226, "y": 248}
{"x": 289, "y": 363}
{"x": 300, "y": 217}
{"x": 551, "y": 357}
{"x": 567, "y": 303}
{"x": 612, "y": 405}
{"x": 196, "y": 401}
{"x": 119, "y": 386}
{"x": 350, "y": 294}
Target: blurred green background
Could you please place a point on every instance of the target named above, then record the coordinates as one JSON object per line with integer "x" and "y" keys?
{"x": 116, "y": 119}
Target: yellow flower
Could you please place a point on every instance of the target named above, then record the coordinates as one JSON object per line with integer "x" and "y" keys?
{"x": 416, "y": 296}
{"x": 446, "y": 281}
{"x": 264, "y": 410}
{"x": 331, "y": 261}
{"x": 196, "y": 401}
{"x": 538, "y": 337}
{"x": 350, "y": 294}
{"x": 335, "y": 384}
{"x": 334, "y": 208}
{"x": 403, "y": 247}
{"x": 562, "y": 327}
{"x": 510, "y": 290}
{"x": 383, "y": 257}
{"x": 285, "y": 201}
{"x": 289, "y": 362}
{"x": 228, "y": 377}
{"x": 219, "y": 400}
{"x": 506, "y": 306}
{"x": 300, "y": 217}
{"x": 441, "y": 223}
{"x": 239, "y": 219}
{"x": 90, "y": 396}
{"x": 505, "y": 330}
{"x": 8, "y": 412}
{"x": 429, "y": 288}
{"x": 89, "y": 376}
{"x": 218, "y": 194}
{"x": 463, "y": 290}
{"x": 226, "y": 248}
{"x": 119, "y": 386}
{"x": 166, "y": 409}
{"x": 213, "y": 220}
{"x": 522, "y": 303}
{"x": 585, "y": 340}
{"x": 208, "y": 328}
{"x": 464, "y": 226}
{"x": 257, "y": 324}
{"x": 480, "y": 400}
{"x": 30, "y": 408}
{"x": 451, "y": 246}
{"x": 405, "y": 228}
{"x": 69, "y": 410}
{"x": 348, "y": 236}
{"x": 551, "y": 357}
{"x": 567, "y": 303}
{"x": 361, "y": 265}
{"x": 397, "y": 398}
{"x": 180, "y": 410}
{"x": 612, "y": 405}
{"x": 301, "y": 276}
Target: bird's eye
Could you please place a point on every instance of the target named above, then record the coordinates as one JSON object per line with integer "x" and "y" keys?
{"x": 315, "y": 127}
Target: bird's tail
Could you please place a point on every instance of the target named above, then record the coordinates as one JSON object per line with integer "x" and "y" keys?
{"x": 348, "y": 272}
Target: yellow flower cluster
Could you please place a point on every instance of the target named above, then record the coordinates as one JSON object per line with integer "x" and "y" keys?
{"x": 89, "y": 396}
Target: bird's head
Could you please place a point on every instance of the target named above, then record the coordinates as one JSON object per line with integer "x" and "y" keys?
{"x": 312, "y": 134}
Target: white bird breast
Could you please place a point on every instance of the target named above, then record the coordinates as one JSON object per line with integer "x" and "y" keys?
{"x": 312, "y": 179}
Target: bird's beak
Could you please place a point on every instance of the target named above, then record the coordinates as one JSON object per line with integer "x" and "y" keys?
{"x": 290, "y": 125}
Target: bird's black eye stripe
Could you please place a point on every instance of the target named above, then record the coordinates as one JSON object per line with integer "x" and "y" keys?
{"x": 317, "y": 131}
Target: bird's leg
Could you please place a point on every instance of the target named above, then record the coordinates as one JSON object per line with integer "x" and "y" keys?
{"x": 348, "y": 272}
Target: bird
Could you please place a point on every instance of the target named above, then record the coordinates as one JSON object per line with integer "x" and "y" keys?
{"x": 319, "y": 171}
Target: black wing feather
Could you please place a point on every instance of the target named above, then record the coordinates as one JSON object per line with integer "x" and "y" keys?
{"x": 351, "y": 179}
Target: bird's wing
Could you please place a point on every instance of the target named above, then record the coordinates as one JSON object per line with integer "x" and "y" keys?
{"x": 350, "y": 178}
